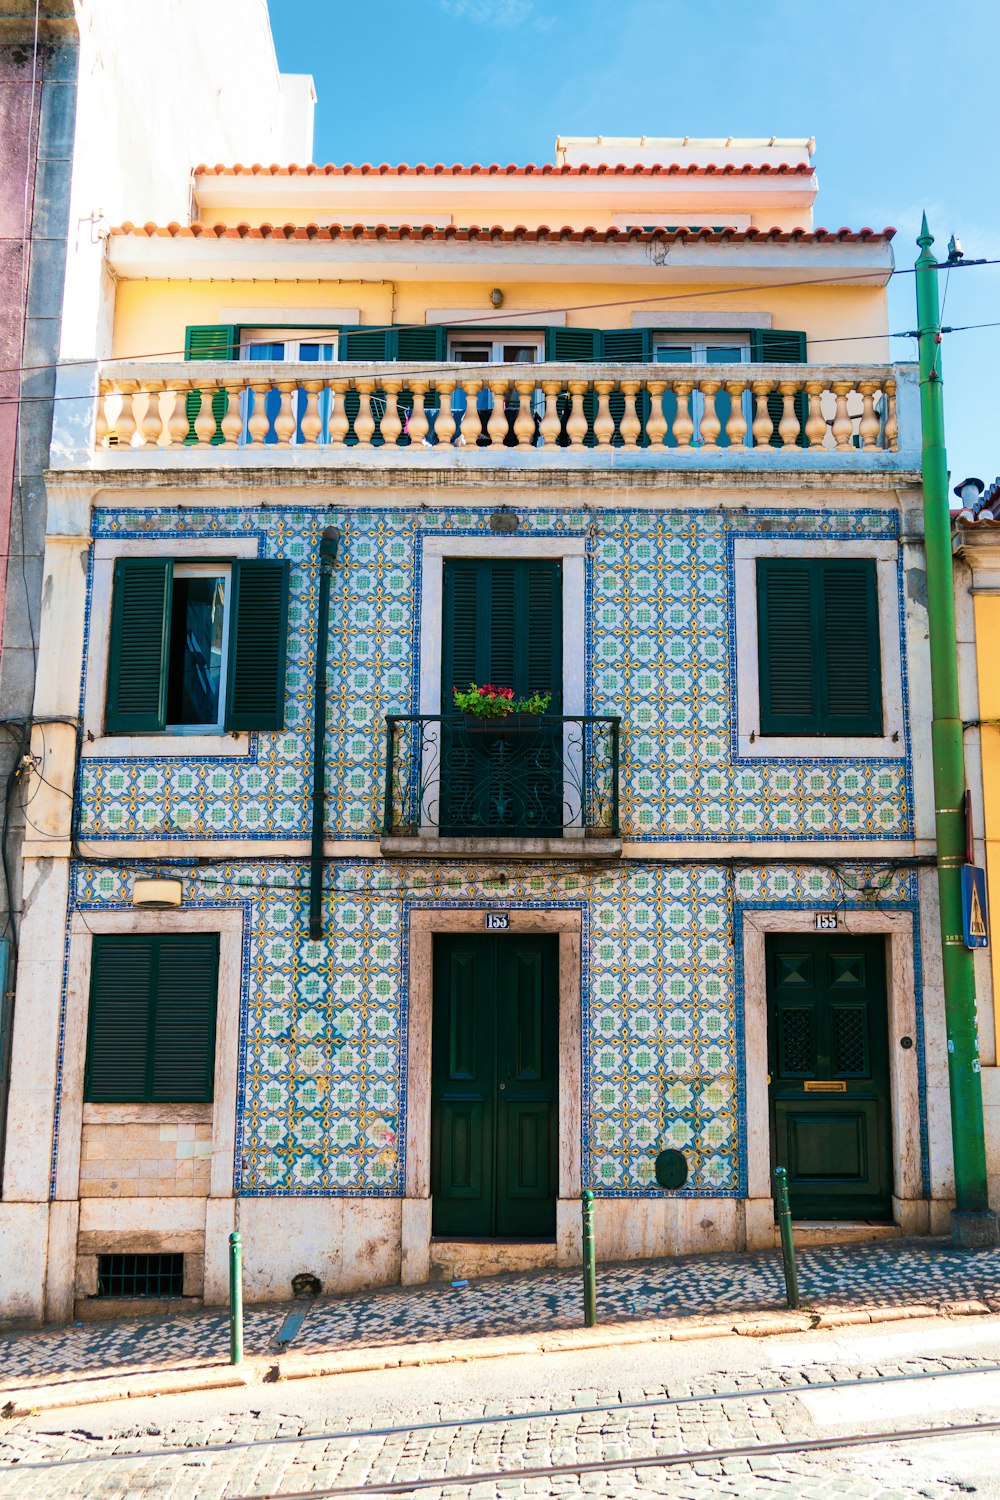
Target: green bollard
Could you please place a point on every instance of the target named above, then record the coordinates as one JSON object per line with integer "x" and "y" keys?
{"x": 787, "y": 1243}
{"x": 235, "y": 1299}
{"x": 589, "y": 1267}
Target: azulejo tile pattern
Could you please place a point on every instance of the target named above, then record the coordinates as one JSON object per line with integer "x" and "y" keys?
{"x": 660, "y": 651}
{"x": 322, "y": 1083}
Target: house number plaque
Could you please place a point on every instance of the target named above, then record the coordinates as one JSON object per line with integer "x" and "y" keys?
{"x": 496, "y": 921}
{"x": 826, "y": 921}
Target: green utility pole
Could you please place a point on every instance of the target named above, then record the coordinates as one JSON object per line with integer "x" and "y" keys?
{"x": 973, "y": 1225}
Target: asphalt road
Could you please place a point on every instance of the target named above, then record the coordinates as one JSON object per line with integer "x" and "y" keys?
{"x": 228, "y": 1448}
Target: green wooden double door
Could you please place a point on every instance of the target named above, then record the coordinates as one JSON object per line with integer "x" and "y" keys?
{"x": 495, "y": 1086}
{"x": 828, "y": 1061}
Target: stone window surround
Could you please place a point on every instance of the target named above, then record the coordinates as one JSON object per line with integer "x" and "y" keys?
{"x": 423, "y": 924}
{"x": 909, "y": 1206}
{"x": 83, "y": 928}
{"x": 171, "y": 742}
{"x": 885, "y": 555}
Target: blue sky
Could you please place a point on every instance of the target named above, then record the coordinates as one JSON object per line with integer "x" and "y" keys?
{"x": 900, "y": 95}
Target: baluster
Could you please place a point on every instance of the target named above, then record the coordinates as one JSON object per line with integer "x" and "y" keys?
{"x": 472, "y": 426}
{"x": 709, "y": 427}
{"x": 656, "y": 422}
{"x": 843, "y": 426}
{"x": 284, "y": 422}
{"x": 151, "y": 424}
{"x": 392, "y": 423}
{"x": 364, "y": 422}
{"x": 630, "y": 425}
{"x": 259, "y": 423}
{"x": 232, "y": 418}
{"x": 788, "y": 427}
{"x": 340, "y": 422}
{"x": 604, "y": 422}
{"x": 418, "y": 425}
{"x": 762, "y": 427}
{"x": 524, "y": 422}
{"x": 870, "y": 424}
{"x": 445, "y": 425}
{"x": 101, "y": 420}
{"x": 312, "y": 421}
{"x": 815, "y": 421}
{"x": 576, "y": 426}
{"x": 551, "y": 424}
{"x": 125, "y": 425}
{"x": 736, "y": 422}
{"x": 496, "y": 426}
{"x": 177, "y": 422}
{"x": 683, "y": 425}
{"x": 891, "y": 420}
{"x": 204, "y": 422}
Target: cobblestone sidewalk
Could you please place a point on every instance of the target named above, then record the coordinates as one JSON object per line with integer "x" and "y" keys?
{"x": 868, "y": 1277}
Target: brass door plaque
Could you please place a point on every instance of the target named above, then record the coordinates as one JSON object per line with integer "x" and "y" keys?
{"x": 825, "y": 1086}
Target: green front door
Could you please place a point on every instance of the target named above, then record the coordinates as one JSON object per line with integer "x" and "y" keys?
{"x": 828, "y": 1062}
{"x": 495, "y": 1086}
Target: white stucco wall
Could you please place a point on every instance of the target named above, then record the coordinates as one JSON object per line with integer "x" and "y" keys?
{"x": 163, "y": 86}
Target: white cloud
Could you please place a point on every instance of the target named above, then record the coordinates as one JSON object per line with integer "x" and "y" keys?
{"x": 501, "y": 15}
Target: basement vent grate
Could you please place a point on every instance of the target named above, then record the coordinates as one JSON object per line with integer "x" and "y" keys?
{"x": 140, "y": 1275}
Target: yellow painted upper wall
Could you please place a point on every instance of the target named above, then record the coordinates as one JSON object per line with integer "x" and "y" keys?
{"x": 151, "y": 316}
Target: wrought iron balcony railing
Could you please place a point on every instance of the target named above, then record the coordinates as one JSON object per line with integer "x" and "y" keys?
{"x": 526, "y": 776}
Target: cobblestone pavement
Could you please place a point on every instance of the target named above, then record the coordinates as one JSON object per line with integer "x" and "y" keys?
{"x": 872, "y": 1275}
{"x": 248, "y": 1461}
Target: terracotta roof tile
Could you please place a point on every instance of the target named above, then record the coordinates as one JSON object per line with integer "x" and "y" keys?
{"x": 494, "y": 169}
{"x": 496, "y": 234}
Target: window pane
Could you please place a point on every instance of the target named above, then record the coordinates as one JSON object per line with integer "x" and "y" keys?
{"x": 310, "y": 352}
{"x": 724, "y": 354}
{"x": 520, "y": 354}
{"x": 673, "y": 354}
{"x": 265, "y": 351}
{"x": 477, "y": 354}
{"x": 194, "y": 684}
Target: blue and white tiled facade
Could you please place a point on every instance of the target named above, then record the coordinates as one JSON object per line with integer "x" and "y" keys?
{"x": 321, "y": 1095}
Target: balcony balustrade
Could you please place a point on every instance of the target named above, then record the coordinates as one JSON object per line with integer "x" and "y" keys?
{"x": 532, "y": 778}
{"x": 553, "y": 411}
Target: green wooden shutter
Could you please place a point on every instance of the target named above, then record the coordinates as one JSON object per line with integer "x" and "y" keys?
{"x": 502, "y": 624}
{"x": 627, "y": 345}
{"x": 852, "y": 657}
{"x": 786, "y": 630}
{"x": 258, "y": 644}
{"x": 818, "y": 639}
{"x": 572, "y": 345}
{"x": 416, "y": 344}
{"x": 781, "y": 346}
{"x": 118, "y": 1033}
{"x": 364, "y": 343}
{"x": 137, "y": 658}
{"x": 209, "y": 341}
{"x": 151, "y": 1032}
{"x": 182, "y": 1062}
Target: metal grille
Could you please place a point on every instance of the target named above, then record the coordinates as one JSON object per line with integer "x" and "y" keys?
{"x": 849, "y": 1041}
{"x": 795, "y": 1039}
{"x": 140, "y": 1275}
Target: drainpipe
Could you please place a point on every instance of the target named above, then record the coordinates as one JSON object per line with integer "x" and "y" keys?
{"x": 973, "y": 1225}
{"x": 328, "y": 544}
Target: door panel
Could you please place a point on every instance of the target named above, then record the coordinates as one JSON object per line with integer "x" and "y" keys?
{"x": 494, "y": 1108}
{"x": 829, "y": 1074}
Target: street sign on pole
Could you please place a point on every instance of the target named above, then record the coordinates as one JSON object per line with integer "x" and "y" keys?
{"x": 974, "y": 928}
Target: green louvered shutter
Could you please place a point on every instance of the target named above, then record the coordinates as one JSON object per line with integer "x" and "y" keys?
{"x": 151, "y": 1030}
{"x": 258, "y": 645}
{"x": 183, "y": 1052}
{"x": 136, "y": 701}
{"x": 627, "y": 346}
{"x": 818, "y": 640}
{"x": 416, "y": 344}
{"x": 781, "y": 346}
{"x": 365, "y": 343}
{"x": 209, "y": 341}
{"x": 575, "y": 346}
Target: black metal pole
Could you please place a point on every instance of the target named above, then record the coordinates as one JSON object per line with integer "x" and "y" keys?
{"x": 327, "y": 557}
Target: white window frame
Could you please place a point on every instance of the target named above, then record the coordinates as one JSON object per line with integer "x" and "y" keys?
{"x": 468, "y": 336}
{"x": 291, "y": 338}
{"x": 167, "y": 742}
{"x": 209, "y": 570}
{"x": 891, "y": 744}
